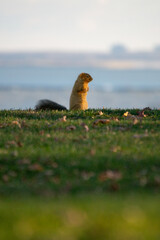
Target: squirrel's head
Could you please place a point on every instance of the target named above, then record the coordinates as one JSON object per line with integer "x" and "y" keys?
{"x": 85, "y": 77}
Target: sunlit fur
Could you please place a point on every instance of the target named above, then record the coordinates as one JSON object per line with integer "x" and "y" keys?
{"x": 78, "y": 100}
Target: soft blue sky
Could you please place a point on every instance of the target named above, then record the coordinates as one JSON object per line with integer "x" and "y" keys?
{"x": 78, "y": 25}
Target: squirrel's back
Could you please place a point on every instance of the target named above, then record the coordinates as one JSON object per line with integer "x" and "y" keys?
{"x": 46, "y": 104}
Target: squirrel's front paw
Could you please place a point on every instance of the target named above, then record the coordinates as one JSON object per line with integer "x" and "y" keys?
{"x": 83, "y": 90}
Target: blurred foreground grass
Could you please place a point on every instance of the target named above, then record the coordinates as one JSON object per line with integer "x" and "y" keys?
{"x": 80, "y": 175}
{"x": 98, "y": 217}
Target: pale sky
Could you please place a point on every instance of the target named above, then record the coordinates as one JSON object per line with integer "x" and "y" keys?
{"x": 78, "y": 25}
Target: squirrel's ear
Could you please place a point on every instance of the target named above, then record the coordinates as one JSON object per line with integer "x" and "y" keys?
{"x": 82, "y": 75}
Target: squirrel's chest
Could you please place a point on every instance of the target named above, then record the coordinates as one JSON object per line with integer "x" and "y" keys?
{"x": 85, "y": 85}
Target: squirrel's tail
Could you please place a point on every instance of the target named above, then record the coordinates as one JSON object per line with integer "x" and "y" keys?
{"x": 45, "y": 104}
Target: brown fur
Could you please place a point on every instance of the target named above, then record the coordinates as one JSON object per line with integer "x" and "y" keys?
{"x": 78, "y": 96}
{"x": 78, "y": 100}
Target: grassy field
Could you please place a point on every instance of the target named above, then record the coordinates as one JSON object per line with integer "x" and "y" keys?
{"x": 80, "y": 175}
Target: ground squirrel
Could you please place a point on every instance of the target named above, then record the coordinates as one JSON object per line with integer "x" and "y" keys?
{"x": 78, "y": 96}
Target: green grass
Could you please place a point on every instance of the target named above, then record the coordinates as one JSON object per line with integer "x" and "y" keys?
{"x": 109, "y": 175}
{"x": 81, "y": 218}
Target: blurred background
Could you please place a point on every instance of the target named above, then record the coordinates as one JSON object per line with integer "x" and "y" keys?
{"x": 45, "y": 44}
